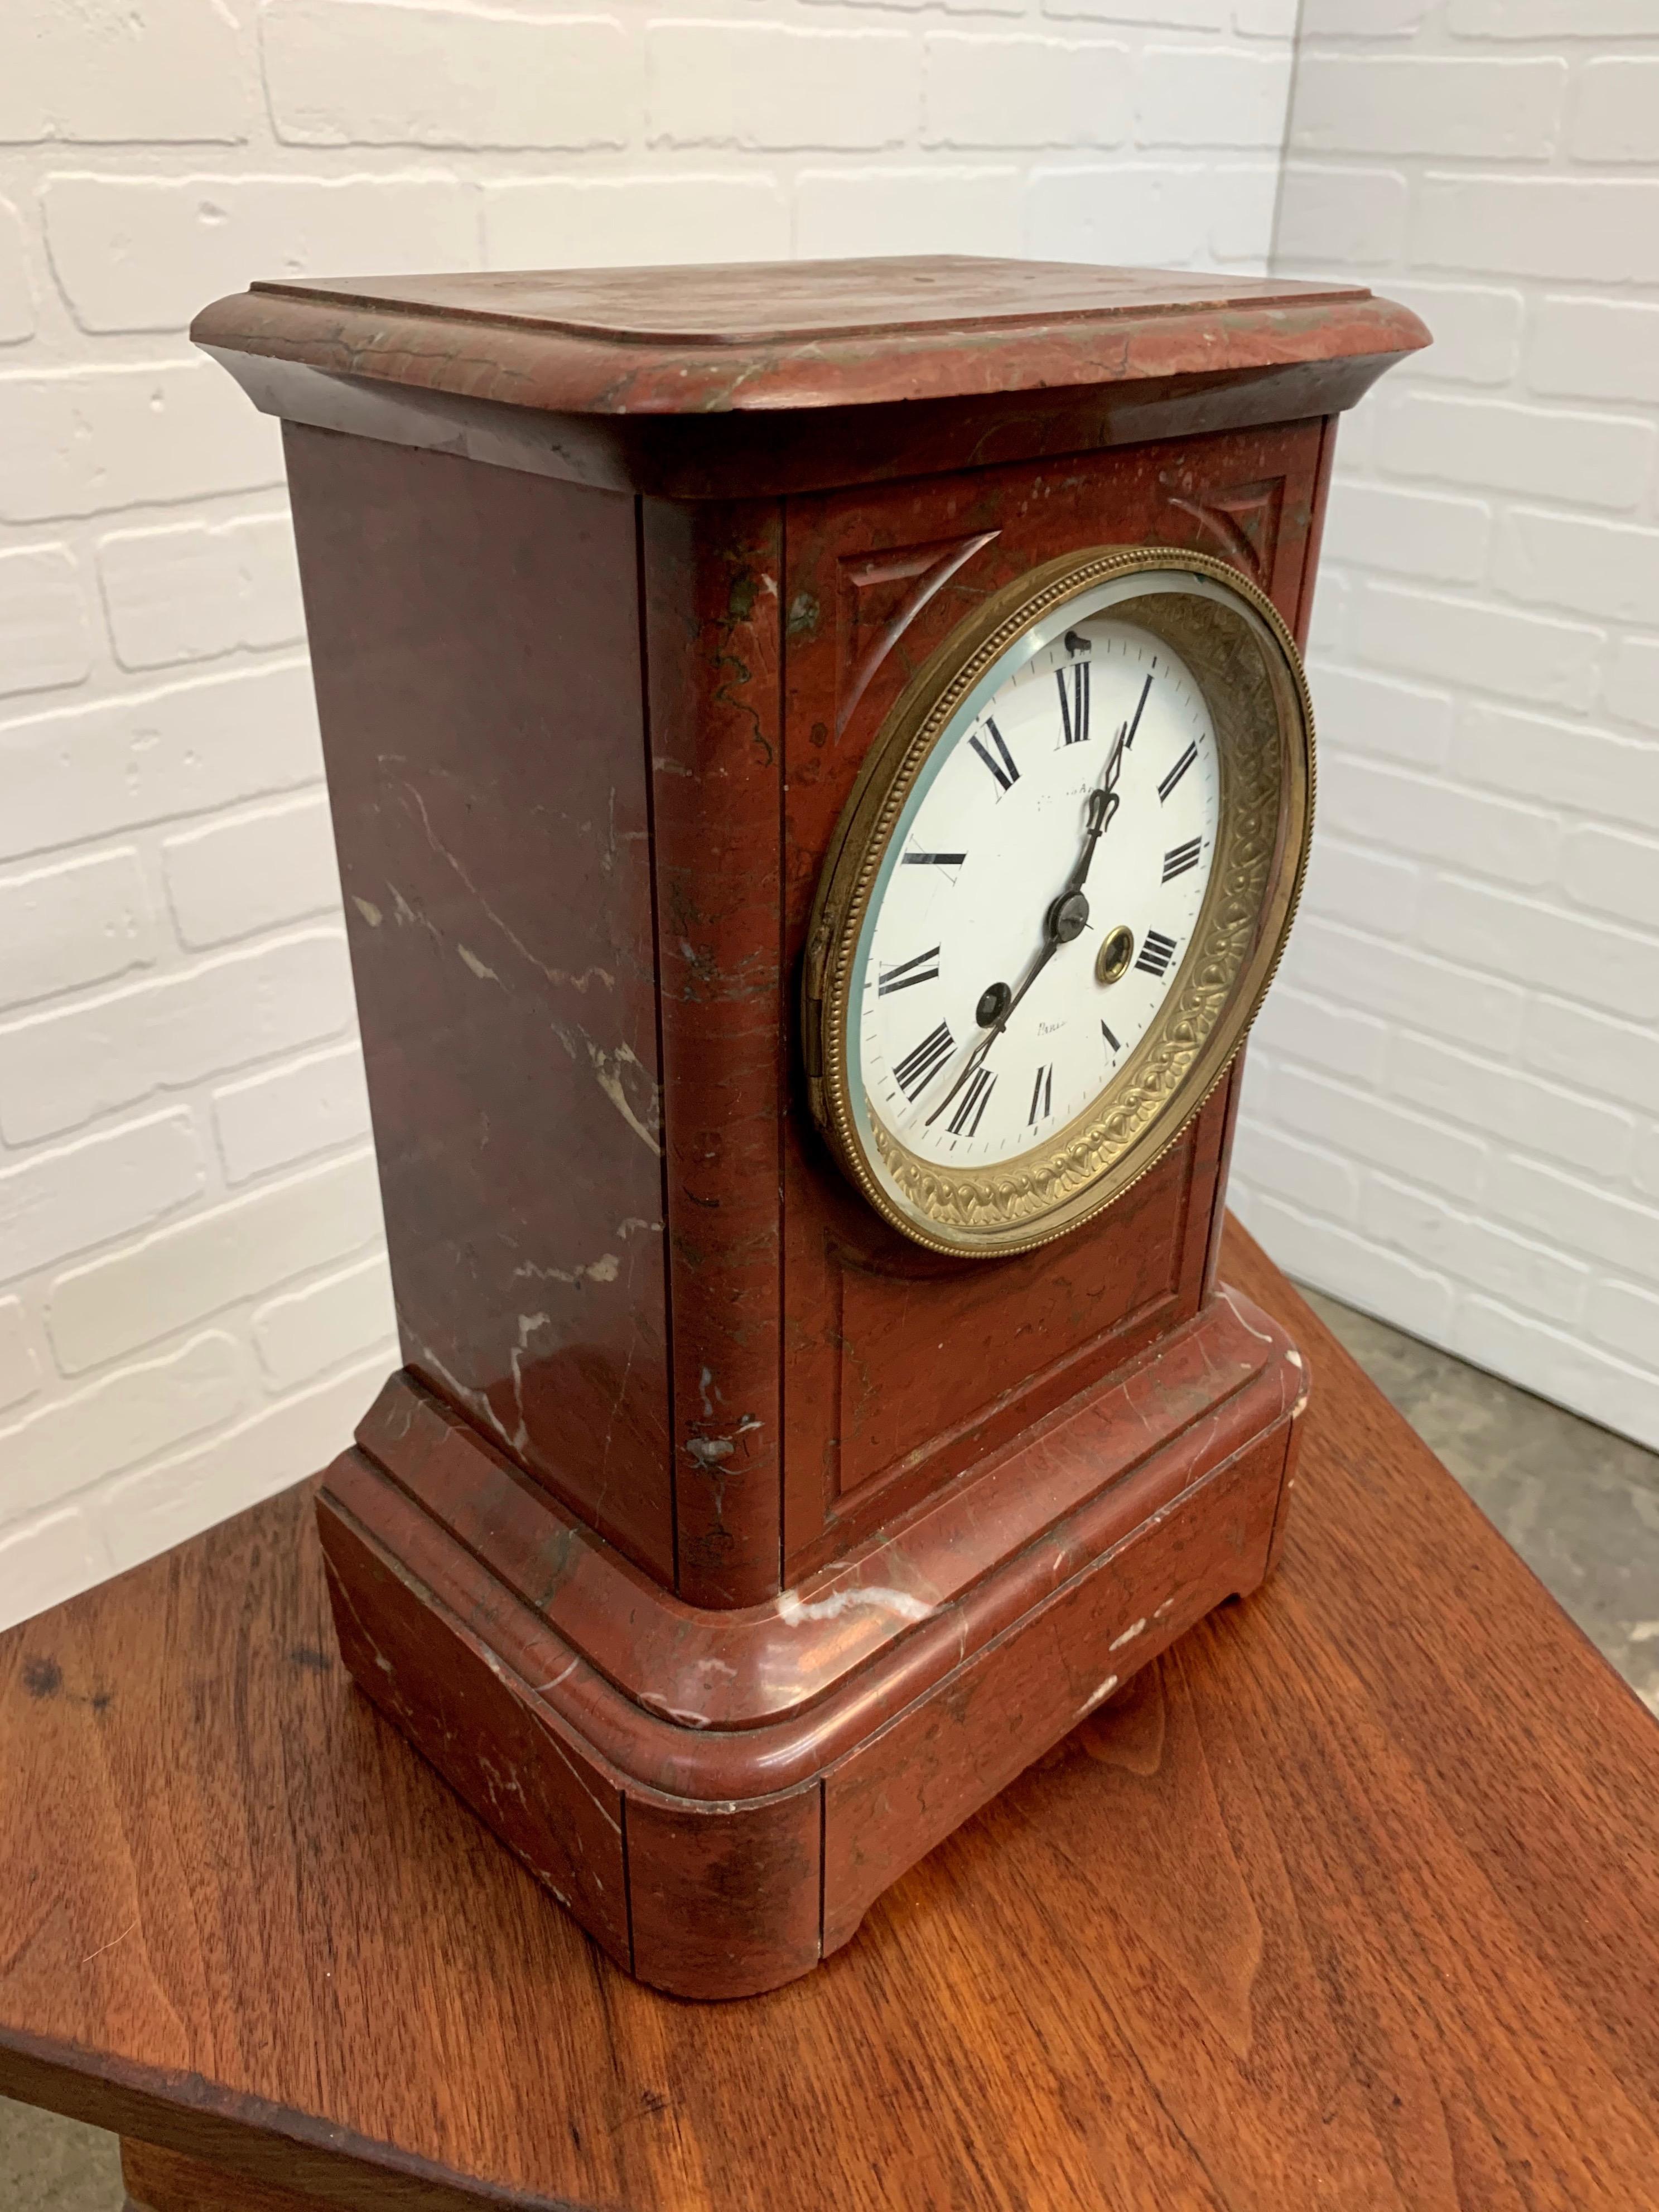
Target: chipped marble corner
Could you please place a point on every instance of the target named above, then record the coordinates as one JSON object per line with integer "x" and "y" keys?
{"x": 1098, "y": 1696}
{"x": 795, "y": 1611}
{"x": 1293, "y": 1359}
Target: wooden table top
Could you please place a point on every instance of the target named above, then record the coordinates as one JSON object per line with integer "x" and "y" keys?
{"x": 1350, "y": 1902}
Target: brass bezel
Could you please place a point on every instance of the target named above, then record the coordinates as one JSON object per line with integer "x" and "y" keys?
{"x": 1256, "y": 689}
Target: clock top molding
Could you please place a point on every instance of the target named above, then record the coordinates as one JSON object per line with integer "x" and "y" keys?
{"x": 714, "y": 381}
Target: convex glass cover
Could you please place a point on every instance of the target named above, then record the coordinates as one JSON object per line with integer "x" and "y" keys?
{"x": 1057, "y": 894}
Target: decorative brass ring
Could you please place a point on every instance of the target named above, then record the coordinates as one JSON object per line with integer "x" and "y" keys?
{"x": 1246, "y": 662}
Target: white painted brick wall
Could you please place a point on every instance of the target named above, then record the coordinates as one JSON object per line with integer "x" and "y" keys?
{"x": 171, "y": 71}
{"x": 1453, "y": 1111}
{"x": 300, "y": 1108}
{"x": 193, "y": 591}
{"x": 193, "y": 1304}
{"x": 304, "y": 1333}
{"x": 61, "y": 1069}
{"x": 1049, "y": 92}
{"x": 252, "y": 872}
{"x": 143, "y": 253}
{"x": 87, "y": 440}
{"x": 353, "y": 73}
{"x": 45, "y": 637}
{"x": 185, "y": 1273}
{"x": 73, "y": 922}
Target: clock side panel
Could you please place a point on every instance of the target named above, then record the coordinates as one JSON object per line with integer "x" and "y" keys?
{"x": 710, "y": 579}
{"x": 887, "y": 1392}
{"x": 475, "y": 646}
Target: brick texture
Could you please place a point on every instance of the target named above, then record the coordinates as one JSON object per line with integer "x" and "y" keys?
{"x": 46, "y": 640}
{"x": 82, "y": 440}
{"x": 1049, "y": 92}
{"x": 355, "y": 73}
{"x": 143, "y": 253}
{"x": 193, "y": 1301}
{"x": 195, "y": 591}
{"x": 1452, "y": 1116}
{"x": 19, "y": 1364}
{"x": 16, "y": 286}
{"x": 170, "y": 72}
{"x": 73, "y": 922}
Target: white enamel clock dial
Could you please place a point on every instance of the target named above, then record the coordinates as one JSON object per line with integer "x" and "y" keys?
{"x": 1104, "y": 726}
{"x": 1059, "y": 890}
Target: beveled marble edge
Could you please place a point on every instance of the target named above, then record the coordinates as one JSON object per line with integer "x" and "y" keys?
{"x": 733, "y": 455}
{"x": 751, "y": 1667}
{"x": 567, "y": 371}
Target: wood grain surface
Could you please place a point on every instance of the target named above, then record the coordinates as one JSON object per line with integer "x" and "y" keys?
{"x": 1351, "y": 1903}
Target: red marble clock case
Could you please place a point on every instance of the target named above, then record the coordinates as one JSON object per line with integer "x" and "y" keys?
{"x": 724, "y": 1549}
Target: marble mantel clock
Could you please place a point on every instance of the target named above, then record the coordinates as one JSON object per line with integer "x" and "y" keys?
{"x": 823, "y": 774}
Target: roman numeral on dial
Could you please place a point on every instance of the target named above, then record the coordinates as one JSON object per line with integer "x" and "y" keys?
{"x": 1042, "y": 1096}
{"x": 974, "y": 1100}
{"x": 920, "y": 967}
{"x": 1180, "y": 858}
{"x": 1109, "y": 1038}
{"x": 918, "y": 1068}
{"x": 1074, "y": 683}
{"x": 1157, "y": 952}
{"x": 1001, "y": 764}
{"x": 1177, "y": 772}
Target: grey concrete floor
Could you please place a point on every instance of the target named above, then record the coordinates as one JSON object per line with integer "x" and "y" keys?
{"x": 49, "y": 2164}
{"x": 1580, "y": 1505}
